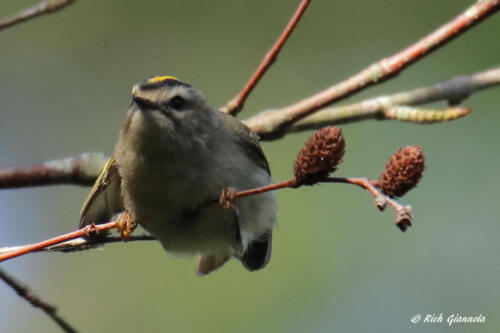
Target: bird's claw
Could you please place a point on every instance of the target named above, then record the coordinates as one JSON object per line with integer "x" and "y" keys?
{"x": 125, "y": 225}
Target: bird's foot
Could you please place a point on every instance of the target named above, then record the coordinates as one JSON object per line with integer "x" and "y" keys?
{"x": 125, "y": 225}
{"x": 227, "y": 198}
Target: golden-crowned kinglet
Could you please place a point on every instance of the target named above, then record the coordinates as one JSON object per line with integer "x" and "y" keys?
{"x": 174, "y": 156}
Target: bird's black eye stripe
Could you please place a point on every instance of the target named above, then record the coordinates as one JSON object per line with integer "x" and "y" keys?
{"x": 177, "y": 102}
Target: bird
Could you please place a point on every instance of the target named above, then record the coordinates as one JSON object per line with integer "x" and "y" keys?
{"x": 174, "y": 157}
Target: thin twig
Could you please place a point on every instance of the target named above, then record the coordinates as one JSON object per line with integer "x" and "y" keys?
{"x": 26, "y": 293}
{"x": 291, "y": 183}
{"x": 403, "y": 213}
{"x": 81, "y": 244}
{"x": 85, "y": 231}
{"x": 80, "y": 170}
{"x": 236, "y": 104}
{"x": 455, "y": 91}
{"x": 271, "y": 121}
{"x": 381, "y": 200}
{"x": 44, "y": 7}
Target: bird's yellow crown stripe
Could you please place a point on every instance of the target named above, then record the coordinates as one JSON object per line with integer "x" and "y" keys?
{"x": 157, "y": 79}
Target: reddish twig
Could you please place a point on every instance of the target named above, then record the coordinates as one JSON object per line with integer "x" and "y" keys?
{"x": 86, "y": 231}
{"x": 81, "y": 170}
{"x": 44, "y": 7}
{"x": 236, "y": 104}
{"x": 25, "y": 292}
{"x": 271, "y": 187}
{"x": 82, "y": 244}
{"x": 85, "y": 243}
{"x": 381, "y": 200}
{"x": 267, "y": 123}
{"x": 403, "y": 214}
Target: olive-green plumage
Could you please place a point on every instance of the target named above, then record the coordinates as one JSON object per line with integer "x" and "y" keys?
{"x": 174, "y": 156}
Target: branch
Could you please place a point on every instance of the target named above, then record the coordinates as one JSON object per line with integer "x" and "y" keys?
{"x": 44, "y": 7}
{"x": 85, "y": 168}
{"x": 24, "y": 292}
{"x": 236, "y": 104}
{"x": 79, "y": 170}
{"x": 403, "y": 213}
{"x": 383, "y": 107}
{"x": 80, "y": 244}
{"x": 376, "y": 73}
{"x": 85, "y": 231}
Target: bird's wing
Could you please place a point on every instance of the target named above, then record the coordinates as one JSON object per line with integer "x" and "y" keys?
{"x": 258, "y": 252}
{"x": 104, "y": 200}
{"x": 248, "y": 140}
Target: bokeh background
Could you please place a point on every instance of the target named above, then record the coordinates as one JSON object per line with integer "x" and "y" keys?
{"x": 338, "y": 264}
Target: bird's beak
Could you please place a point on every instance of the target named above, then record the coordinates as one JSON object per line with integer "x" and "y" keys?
{"x": 143, "y": 103}
{"x": 135, "y": 90}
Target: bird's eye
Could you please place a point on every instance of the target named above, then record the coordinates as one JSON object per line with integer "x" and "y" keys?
{"x": 177, "y": 102}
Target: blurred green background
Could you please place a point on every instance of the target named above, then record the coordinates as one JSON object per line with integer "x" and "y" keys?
{"x": 338, "y": 264}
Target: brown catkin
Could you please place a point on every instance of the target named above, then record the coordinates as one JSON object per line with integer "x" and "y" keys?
{"x": 402, "y": 171}
{"x": 320, "y": 156}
